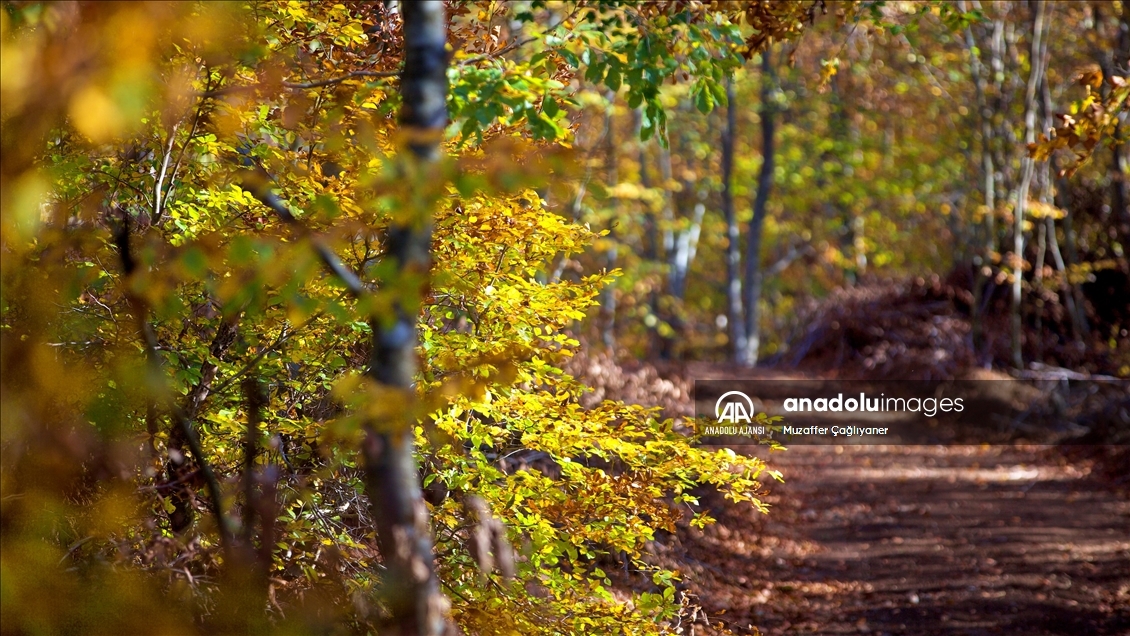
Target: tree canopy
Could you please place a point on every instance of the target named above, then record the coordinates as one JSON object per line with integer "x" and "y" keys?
{"x": 283, "y": 281}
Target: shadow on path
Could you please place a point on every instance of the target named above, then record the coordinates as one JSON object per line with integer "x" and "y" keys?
{"x": 947, "y": 540}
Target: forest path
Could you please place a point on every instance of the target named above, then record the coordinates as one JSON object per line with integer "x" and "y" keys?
{"x": 944, "y": 540}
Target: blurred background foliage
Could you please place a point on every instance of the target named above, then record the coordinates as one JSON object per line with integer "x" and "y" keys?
{"x": 883, "y": 126}
{"x": 152, "y": 301}
{"x": 182, "y": 395}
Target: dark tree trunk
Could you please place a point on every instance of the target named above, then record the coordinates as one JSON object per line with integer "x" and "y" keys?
{"x": 179, "y": 470}
{"x": 983, "y": 261}
{"x": 409, "y": 587}
{"x": 1120, "y": 160}
{"x": 1072, "y": 296}
{"x": 612, "y": 177}
{"x": 650, "y": 239}
{"x": 1038, "y": 61}
{"x": 753, "y": 273}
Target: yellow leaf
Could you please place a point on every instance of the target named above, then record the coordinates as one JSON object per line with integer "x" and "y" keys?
{"x": 95, "y": 115}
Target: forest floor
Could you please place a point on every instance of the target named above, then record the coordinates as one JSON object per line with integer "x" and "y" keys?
{"x": 941, "y": 540}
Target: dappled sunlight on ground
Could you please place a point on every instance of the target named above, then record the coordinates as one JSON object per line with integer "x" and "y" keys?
{"x": 917, "y": 540}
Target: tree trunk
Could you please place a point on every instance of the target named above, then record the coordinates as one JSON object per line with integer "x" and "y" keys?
{"x": 608, "y": 294}
{"x": 1038, "y": 61}
{"x": 1038, "y": 285}
{"x": 1066, "y": 261}
{"x": 735, "y": 318}
{"x": 409, "y": 584}
{"x": 651, "y": 242}
{"x": 651, "y": 223}
{"x": 1072, "y": 295}
{"x": 684, "y": 243}
{"x": 667, "y": 305}
{"x": 691, "y": 195}
{"x": 1113, "y": 60}
{"x": 667, "y": 214}
{"x": 753, "y": 273}
{"x": 983, "y": 262}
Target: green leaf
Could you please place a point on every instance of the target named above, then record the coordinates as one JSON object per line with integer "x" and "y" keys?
{"x": 704, "y": 101}
{"x": 549, "y": 106}
{"x": 612, "y": 80}
{"x": 595, "y": 72}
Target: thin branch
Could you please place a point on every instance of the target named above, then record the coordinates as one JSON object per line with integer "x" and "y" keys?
{"x": 256, "y": 183}
{"x": 497, "y": 54}
{"x": 170, "y": 485}
{"x": 109, "y": 312}
{"x": 284, "y": 336}
{"x": 213, "y": 484}
{"x": 122, "y": 182}
{"x": 783, "y": 263}
{"x": 160, "y": 183}
{"x": 298, "y": 86}
{"x": 338, "y": 80}
{"x": 140, "y": 311}
{"x": 191, "y": 133}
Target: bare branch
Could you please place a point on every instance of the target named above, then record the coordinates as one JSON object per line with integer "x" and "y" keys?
{"x": 160, "y": 183}
{"x": 256, "y": 184}
{"x": 497, "y": 54}
{"x": 140, "y": 311}
{"x": 298, "y": 86}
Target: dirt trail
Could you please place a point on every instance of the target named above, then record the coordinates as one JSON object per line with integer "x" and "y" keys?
{"x": 918, "y": 540}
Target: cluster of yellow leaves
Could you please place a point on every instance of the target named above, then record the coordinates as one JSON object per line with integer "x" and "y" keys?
{"x": 1091, "y": 119}
{"x": 570, "y": 483}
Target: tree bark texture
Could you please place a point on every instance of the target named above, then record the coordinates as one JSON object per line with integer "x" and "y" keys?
{"x": 753, "y": 271}
{"x": 410, "y": 588}
{"x": 1038, "y": 61}
{"x": 735, "y": 317}
{"x": 612, "y": 178}
{"x": 983, "y": 261}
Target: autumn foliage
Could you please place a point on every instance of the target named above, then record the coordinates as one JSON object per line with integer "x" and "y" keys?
{"x": 185, "y": 208}
{"x": 202, "y": 204}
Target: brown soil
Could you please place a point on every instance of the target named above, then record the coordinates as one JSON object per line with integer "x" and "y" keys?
{"x": 943, "y": 540}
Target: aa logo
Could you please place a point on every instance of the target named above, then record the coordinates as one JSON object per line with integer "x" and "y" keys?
{"x": 734, "y": 407}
